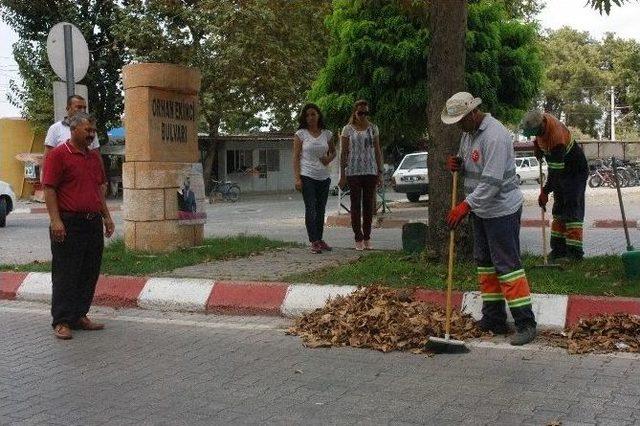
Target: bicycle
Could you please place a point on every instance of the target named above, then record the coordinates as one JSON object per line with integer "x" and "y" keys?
{"x": 228, "y": 191}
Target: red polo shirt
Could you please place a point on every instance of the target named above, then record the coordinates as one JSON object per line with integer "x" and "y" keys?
{"x": 77, "y": 178}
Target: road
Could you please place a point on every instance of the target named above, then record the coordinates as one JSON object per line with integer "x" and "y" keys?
{"x": 181, "y": 369}
{"x": 25, "y": 239}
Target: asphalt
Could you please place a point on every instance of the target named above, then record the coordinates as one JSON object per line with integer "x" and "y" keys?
{"x": 281, "y": 216}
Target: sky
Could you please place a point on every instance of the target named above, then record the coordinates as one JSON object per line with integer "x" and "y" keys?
{"x": 557, "y": 13}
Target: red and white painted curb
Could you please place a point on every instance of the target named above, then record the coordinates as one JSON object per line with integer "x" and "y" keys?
{"x": 282, "y": 299}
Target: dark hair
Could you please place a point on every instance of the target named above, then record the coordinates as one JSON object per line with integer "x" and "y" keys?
{"x": 302, "y": 118}
{"x": 72, "y": 97}
{"x": 357, "y": 104}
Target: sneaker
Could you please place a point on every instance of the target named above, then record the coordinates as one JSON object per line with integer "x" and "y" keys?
{"x": 524, "y": 336}
{"x": 324, "y": 246}
{"x": 367, "y": 245}
{"x": 315, "y": 248}
{"x": 493, "y": 328}
{"x": 359, "y": 245}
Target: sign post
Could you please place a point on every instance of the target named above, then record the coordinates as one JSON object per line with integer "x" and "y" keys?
{"x": 68, "y": 55}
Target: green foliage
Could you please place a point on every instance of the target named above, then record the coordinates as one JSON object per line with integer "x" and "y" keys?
{"x": 605, "y": 5}
{"x": 254, "y": 55}
{"x": 379, "y": 53}
{"x": 95, "y": 18}
{"x": 579, "y": 74}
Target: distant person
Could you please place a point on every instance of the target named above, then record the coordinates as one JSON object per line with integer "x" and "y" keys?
{"x": 361, "y": 167}
{"x": 568, "y": 174}
{"x": 73, "y": 176}
{"x": 313, "y": 150}
{"x": 59, "y": 132}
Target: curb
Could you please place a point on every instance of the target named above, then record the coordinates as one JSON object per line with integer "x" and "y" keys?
{"x": 284, "y": 299}
{"x": 344, "y": 220}
{"x": 42, "y": 210}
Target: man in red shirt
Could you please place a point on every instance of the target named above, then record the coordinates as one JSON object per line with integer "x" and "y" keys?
{"x": 73, "y": 176}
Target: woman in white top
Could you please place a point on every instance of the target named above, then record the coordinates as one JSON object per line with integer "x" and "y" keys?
{"x": 313, "y": 151}
{"x": 361, "y": 168}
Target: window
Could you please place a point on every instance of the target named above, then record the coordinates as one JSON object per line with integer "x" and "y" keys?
{"x": 518, "y": 162}
{"x": 525, "y": 163}
{"x": 533, "y": 162}
{"x": 239, "y": 160}
{"x": 270, "y": 158}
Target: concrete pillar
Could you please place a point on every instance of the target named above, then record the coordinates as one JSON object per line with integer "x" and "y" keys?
{"x": 161, "y": 113}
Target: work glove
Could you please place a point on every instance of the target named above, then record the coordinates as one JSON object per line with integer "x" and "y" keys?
{"x": 543, "y": 199}
{"x": 458, "y": 213}
{"x": 454, "y": 163}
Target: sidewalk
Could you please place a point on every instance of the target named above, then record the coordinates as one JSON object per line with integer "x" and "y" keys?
{"x": 283, "y": 299}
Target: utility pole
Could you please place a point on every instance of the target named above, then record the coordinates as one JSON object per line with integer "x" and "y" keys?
{"x": 613, "y": 114}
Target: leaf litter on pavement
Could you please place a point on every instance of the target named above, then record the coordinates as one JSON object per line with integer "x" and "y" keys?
{"x": 379, "y": 318}
{"x": 600, "y": 334}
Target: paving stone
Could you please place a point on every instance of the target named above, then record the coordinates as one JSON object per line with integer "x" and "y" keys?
{"x": 149, "y": 370}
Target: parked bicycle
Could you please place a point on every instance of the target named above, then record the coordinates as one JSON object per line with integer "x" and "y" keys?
{"x": 227, "y": 191}
{"x": 602, "y": 174}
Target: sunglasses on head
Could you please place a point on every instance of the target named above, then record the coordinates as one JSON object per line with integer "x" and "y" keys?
{"x": 362, "y": 113}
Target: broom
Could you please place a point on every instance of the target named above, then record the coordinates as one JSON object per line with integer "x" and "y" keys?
{"x": 545, "y": 261}
{"x": 447, "y": 344}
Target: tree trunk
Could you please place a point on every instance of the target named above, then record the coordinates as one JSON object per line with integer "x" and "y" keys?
{"x": 210, "y": 164}
{"x": 445, "y": 68}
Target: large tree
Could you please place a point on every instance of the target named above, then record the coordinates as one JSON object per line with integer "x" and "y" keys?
{"x": 95, "y": 19}
{"x": 255, "y": 55}
{"x": 387, "y": 53}
{"x": 580, "y": 72}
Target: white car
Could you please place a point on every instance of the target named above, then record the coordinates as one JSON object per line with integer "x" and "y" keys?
{"x": 528, "y": 169}
{"x": 411, "y": 176}
{"x": 7, "y": 202}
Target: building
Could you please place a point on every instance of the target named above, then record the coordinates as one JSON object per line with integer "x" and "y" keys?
{"x": 257, "y": 162}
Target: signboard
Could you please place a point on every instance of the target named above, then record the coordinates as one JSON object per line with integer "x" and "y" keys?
{"x": 57, "y": 55}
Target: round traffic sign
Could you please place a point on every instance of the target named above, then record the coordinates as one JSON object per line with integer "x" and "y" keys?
{"x": 56, "y": 52}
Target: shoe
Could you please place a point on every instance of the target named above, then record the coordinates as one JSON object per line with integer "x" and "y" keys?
{"x": 493, "y": 328}
{"x": 523, "y": 336}
{"x": 315, "y": 247}
{"x": 367, "y": 245}
{"x": 62, "y": 331}
{"x": 359, "y": 245}
{"x": 85, "y": 323}
{"x": 324, "y": 246}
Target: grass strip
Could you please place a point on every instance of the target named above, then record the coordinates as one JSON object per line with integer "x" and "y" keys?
{"x": 117, "y": 260}
{"x": 600, "y": 275}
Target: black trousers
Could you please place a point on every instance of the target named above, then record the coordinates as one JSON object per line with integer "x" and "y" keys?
{"x": 75, "y": 268}
{"x": 315, "y": 193}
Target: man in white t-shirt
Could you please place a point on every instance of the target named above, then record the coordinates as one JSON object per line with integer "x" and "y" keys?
{"x": 60, "y": 132}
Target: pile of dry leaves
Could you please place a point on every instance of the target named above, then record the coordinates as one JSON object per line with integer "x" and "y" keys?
{"x": 379, "y": 318}
{"x": 600, "y": 334}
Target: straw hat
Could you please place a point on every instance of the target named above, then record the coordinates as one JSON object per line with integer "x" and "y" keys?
{"x": 457, "y": 106}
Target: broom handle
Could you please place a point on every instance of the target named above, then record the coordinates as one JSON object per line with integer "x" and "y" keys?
{"x": 544, "y": 221}
{"x": 454, "y": 197}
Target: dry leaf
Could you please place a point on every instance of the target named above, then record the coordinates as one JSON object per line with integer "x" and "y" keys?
{"x": 379, "y": 318}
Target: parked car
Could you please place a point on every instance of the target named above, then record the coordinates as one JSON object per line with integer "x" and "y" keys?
{"x": 411, "y": 176}
{"x": 528, "y": 169}
{"x": 7, "y": 202}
